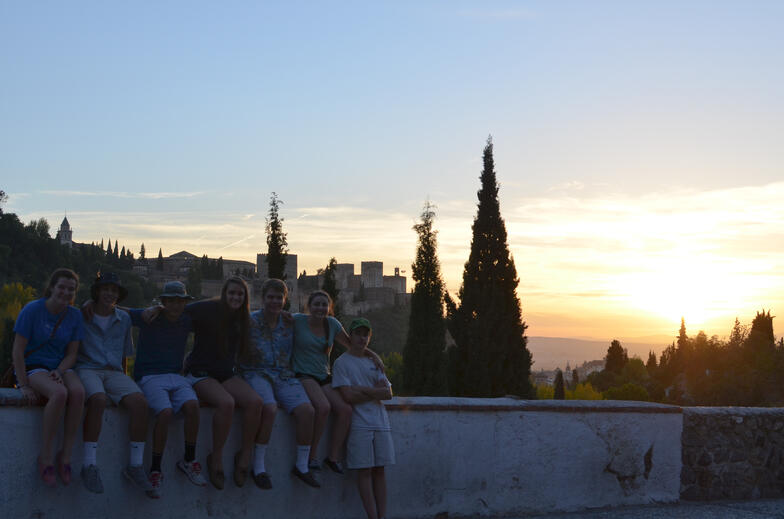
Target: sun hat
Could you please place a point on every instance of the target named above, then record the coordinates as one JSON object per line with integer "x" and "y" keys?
{"x": 175, "y": 289}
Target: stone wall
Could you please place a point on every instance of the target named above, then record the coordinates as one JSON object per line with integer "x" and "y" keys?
{"x": 732, "y": 453}
{"x": 459, "y": 456}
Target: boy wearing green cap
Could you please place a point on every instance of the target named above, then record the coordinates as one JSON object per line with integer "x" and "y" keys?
{"x": 369, "y": 448}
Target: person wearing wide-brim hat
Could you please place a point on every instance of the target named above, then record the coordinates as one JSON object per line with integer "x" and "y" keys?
{"x": 157, "y": 370}
{"x": 108, "y": 278}
{"x": 174, "y": 290}
{"x": 101, "y": 367}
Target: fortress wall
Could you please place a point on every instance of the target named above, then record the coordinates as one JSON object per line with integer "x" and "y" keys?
{"x": 455, "y": 455}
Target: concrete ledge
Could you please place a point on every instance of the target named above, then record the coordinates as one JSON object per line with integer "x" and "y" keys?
{"x": 513, "y": 404}
{"x": 487, "y": 457}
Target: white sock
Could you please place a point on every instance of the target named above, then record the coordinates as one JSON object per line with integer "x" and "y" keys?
{"x": 90, "y": 453}
{"x": 137, "y": 454}
{"x": 258, "y": 458}
{"x": 303, "y": 453}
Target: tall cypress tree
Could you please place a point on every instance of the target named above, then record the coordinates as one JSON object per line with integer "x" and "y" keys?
{"x": 423, "y": 353}
{"x": 559, "y": 392}
{"x": 276, "y": 241}
{"x": 330, "y": 285}
{"x": 491, "y": 357}
{"x": 159, "y": 261}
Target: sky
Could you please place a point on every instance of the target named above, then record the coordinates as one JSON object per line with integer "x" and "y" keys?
{"x": 638, "y": 145}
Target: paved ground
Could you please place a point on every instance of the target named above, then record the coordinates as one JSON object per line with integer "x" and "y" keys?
{"x": 687, "y": 510}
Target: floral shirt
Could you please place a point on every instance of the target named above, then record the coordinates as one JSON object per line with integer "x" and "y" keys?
{"x": 270, "y": 348}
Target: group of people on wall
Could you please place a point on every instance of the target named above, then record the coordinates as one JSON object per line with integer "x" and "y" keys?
{"x": 256, "y": 362}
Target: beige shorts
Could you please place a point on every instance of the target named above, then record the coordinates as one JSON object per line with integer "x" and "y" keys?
{"x": 116, "y": 384}
{"x": 366, "y": 449}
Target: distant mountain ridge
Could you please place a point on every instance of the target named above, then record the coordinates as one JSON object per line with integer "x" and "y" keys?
{"x": 554, "y": 352}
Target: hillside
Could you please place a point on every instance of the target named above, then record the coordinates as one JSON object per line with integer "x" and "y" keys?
{"x": 554, "y": 352}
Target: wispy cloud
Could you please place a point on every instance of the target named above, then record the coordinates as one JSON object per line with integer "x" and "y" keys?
{"x": 243, "y": 240}
{"x": 632, "y": 256}
{"x": 124, "y": 194}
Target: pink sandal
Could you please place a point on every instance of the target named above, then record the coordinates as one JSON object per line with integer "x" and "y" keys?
{"x": 47, "y": 474}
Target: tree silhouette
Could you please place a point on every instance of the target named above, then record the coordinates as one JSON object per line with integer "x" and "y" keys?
{"x": 423, "y": 353}
{"x": 490, "y": 358}
{"x": 616, "y": 358}
{"x": 276, "y": 240}
{"x": 330, "y": 286}
{"x": 558, "y": 386}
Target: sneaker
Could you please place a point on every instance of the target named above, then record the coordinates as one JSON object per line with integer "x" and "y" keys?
{"x": 92, "y": 479}
{"x": 192, "y": 469}
{"x": 156, "y": 478}
{"x": 136, "y": 475}
{"x": 335, "y": 466}
{"x": 306, "y": 477}
{"x": 262, "y": 480}
{"x": 314, "y": 464}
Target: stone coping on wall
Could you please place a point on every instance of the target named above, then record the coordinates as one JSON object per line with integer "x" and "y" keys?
{"x": 734, "y": 411}
{"x": 13, "y": 397}
{"x": 424, "y": 403}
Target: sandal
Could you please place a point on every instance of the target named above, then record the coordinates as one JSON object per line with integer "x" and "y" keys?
{"x": 217, "y": 477}
{"x": 47, "y": 474}
{"x": 240, "y": 473}
{"x": 64, "y": 469}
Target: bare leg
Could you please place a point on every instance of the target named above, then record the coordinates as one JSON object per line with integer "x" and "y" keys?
{"x": 73, "y": 413}
{"x": 303, "y": 415}
{"x": 191, "y": 411}
{"x": 268, "y": 412}
{"x": 57, "y": 394}
{"x": 138, "y": 412}
{"x": 211, "y": 392}
{"x": 250, "y": 402}
{"x": 321, "y": 409}
{"x": 94, "y": 417}
{"x": 380, "y": 490}
{"x": 365, "y": 486}
{"x": 161, "y": 430}
{"x": 342, "y": 423}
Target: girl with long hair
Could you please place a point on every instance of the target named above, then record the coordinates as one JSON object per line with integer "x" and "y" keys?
{"x": 221, "y": 336}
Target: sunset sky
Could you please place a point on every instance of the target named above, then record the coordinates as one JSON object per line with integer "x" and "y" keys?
{"x": 639, "y": 146}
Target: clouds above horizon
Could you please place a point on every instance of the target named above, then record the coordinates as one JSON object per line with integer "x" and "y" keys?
{"x": 719, "y": 249}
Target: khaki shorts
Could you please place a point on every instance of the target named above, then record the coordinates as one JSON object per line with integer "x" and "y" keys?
{"x": 366, "y": 449}
{"x": 116, "y": 384}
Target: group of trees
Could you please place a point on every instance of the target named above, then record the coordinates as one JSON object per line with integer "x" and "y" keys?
{"x": 28, "y": 254}
{"x": 490, "y": 357}
{"x": 204, "y": 268}
{"x": 747, "y": 369}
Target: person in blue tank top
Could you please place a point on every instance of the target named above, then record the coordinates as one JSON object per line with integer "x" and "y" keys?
{"x": 314, "y": 334}
{"x": 48, "y": 332}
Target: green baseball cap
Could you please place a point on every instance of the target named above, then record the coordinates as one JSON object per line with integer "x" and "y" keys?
{"x": 360, "y": 322}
